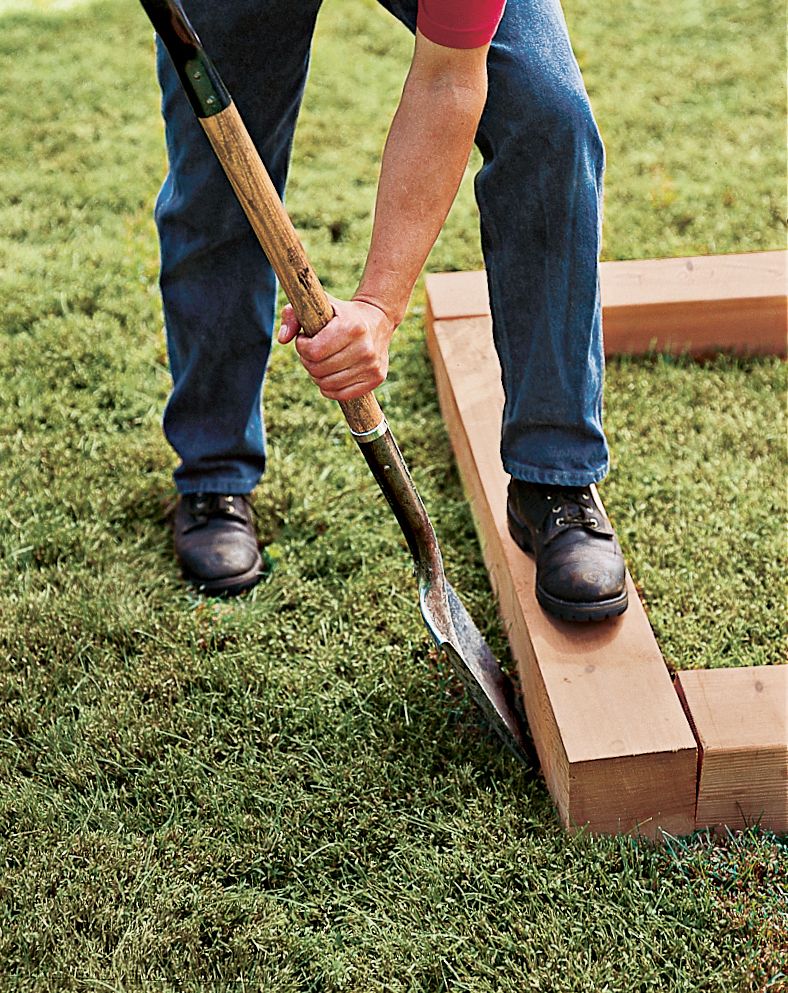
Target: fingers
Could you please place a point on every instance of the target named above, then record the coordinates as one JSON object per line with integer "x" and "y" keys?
{"x": 357, "y": 363}
{"x": 334, "y": 338}
{"x": 351, "y": 392}
{"x": 328, "y": 342}
{"x": 359, "y": 377}
{"x": 330, "y": 366}
{"x": 290, "y": 325}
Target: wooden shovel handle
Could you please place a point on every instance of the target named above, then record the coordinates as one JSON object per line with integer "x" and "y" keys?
{"x": 280, "y": 242}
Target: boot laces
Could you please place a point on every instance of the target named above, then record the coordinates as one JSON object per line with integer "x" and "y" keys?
{"x": 204, "y": 507}
{"x": 572, "y": 508}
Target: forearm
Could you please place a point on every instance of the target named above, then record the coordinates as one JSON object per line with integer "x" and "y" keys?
{"x": 423, "y": 163}
{"x": 424, "y": 159}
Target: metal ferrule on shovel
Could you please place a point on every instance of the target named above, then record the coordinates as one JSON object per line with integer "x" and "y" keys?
{"x": 444, "y": 615}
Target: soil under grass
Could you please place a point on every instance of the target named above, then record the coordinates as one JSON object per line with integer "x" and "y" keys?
{"x": 290, "y": 792}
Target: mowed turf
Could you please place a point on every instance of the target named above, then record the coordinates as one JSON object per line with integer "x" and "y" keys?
{"x": 290, "y": 792}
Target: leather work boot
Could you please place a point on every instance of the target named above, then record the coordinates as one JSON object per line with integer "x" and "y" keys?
{"x": 216, "y": 543}
{"x": 580, "y": 571}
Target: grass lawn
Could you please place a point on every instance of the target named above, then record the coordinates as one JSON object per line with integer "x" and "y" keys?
{"x": 290, "y": 792}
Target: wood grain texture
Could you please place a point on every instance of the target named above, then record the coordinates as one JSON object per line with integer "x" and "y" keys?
{"x": 279, "y": 240}
{"x": 616, "y": 750}
{"x": 457, "y": 294}
{"x": 697, "y": 305}
{"x": 740, "y": 718}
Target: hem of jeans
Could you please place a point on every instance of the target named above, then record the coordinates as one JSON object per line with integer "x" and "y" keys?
{"x": 223, "y": 486}
{"x": 554, "y": 477}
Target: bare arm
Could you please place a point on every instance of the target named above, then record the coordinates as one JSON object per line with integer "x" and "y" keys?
{"x": 423, "y": 162}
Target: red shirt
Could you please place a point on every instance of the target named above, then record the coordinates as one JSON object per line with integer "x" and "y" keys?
{"x": 460, "y": 23}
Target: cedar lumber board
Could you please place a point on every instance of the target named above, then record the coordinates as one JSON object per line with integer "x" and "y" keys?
{"x": 740, "y": 719}
{"x": 699, "y": 305}
{"x": 616, "y": 749}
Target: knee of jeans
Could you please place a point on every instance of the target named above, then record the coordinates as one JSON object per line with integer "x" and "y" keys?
{"x": 200, "y": 212}
{"x": 558, "y": 114}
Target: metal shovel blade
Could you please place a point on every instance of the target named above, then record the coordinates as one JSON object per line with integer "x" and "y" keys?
{"x": 480, "y": 671}
{"x": 447, "y": 620}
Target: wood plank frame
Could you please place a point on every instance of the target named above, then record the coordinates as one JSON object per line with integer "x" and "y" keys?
{"x": 740, "y": 720}
{"x": 617, "y": 751}
{"x": 615, "y": 747}
{"x": 734, "y": 303}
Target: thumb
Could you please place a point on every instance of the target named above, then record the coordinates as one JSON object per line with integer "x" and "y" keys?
{"x": 290, "y": 325}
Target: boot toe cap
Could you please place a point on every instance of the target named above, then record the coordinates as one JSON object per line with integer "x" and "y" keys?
{"x": 590, "y": 570}
{"x": 584, "y": 583}
{"x": 217, "y": 560}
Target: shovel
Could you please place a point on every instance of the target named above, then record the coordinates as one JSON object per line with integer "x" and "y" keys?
{"x": 446, "y": 618}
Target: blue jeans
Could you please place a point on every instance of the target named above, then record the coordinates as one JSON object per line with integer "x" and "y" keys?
{"x": 539, "y": 194}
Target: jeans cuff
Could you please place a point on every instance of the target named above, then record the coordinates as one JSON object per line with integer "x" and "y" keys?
{"x": 213, "y": 485}
{"x": 555, "y": 477}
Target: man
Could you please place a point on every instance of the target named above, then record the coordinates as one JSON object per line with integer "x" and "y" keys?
{"x": 522, "y": 100}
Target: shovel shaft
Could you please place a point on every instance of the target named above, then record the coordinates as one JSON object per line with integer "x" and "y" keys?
{"x": 272, "y": 225}
{"x": 256, "y": 193}
{"x": 280, "y": 242}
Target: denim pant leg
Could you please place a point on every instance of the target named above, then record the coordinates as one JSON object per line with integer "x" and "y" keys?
{"x": 540, "y": 195}
{"x": 540, "y": 199}
{"x": 218, "y": 290}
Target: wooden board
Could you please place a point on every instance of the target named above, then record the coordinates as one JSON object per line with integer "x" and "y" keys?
{"x": 699, "y": 305}
{"x": 616, "y": 749}
{"x": 740, "y": 718}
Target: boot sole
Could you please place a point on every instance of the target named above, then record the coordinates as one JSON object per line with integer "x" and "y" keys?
{"x": 230, "y": 585}
{"x": 567, "y": 610}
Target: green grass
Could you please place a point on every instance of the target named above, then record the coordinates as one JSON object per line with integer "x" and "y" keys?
{"x": 290, "y": 792}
